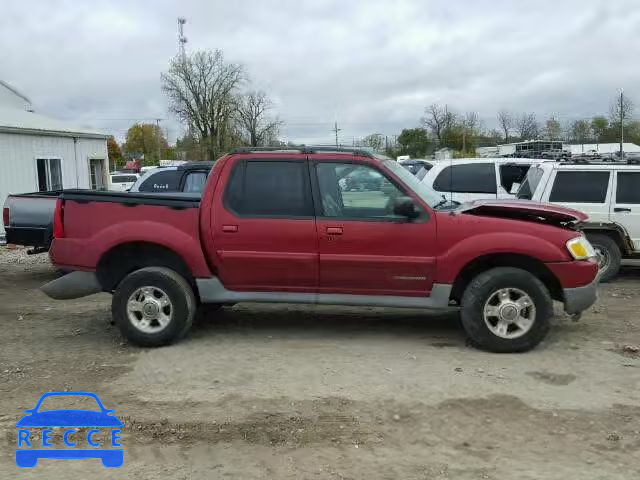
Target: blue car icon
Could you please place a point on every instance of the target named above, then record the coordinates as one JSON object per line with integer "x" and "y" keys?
{"x": 69, "y": 418}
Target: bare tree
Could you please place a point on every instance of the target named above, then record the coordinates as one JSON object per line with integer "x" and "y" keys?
{"x": 375, "y": 141}
{"x": 552, "y": 129}
{"x": 202, "y": 90}
{"x": 527, "y": 127}
{"x": 438, "y": 120}
{"x": 505, "y": 120}
{"x": 620, "y": 110}
{"x": 255, "y": 124}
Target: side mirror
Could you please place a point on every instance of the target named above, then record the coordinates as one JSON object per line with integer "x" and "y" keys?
{"x": 405, "y": 207}
{"x": 514, "y": 188}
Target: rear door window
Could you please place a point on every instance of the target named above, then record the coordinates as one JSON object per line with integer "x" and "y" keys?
{"x": 270, "y": 189}
{"x": 580, "y": 187}
{"x": 628, "y": 188}
{"x": 467, "y": 178}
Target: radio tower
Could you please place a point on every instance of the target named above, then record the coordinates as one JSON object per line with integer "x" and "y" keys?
{"x": 182, "y": 40}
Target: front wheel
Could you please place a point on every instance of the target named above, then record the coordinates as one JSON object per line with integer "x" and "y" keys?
{"x": 608, "y": 254}
{"x": 153, "y": 306}
{"x": 506, "y": 310}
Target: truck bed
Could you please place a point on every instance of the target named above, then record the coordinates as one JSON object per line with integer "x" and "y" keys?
{"x": 105, "y": 219}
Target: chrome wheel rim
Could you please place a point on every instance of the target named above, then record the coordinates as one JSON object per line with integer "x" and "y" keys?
{"x": 604, "y": 259}
{"x": 509, "y": 313}
{"x": 149, "y": 309}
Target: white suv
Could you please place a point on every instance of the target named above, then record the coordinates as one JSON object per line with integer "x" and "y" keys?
{"x": 469, "y": 179}
{"x": 608, "y": 192}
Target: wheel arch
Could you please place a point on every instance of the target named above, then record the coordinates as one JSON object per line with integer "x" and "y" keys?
{"x": 493, "y": 260}
{"x": 614, "y": 231}
{"x": 124, "y": 258}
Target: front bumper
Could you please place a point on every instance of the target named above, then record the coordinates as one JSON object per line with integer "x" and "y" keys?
{"x": 578, "y": 299}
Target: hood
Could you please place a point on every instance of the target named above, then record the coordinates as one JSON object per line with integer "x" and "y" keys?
{"x": 524, "y": 210}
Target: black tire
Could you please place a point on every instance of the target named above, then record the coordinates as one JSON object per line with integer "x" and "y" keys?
{"x": 480, "y": 290}
{"x": 611, "y": 251}
{"x": 181, "y": 296}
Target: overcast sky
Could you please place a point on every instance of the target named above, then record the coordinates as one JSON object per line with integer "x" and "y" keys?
{"x": 372, "y": 65}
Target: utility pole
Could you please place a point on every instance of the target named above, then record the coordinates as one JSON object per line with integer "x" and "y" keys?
{"x": 336, "y": 130}
{"x": 621, "y": 124}
{"x": 158, "y": 134}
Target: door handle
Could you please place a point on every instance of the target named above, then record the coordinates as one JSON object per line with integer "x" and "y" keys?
{"x": 230, "y": 228}
{"x": 620, "y": 209}
{"x": 334, "y": 230}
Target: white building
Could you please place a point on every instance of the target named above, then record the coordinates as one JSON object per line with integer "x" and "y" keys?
{"x": 39, "y": 153}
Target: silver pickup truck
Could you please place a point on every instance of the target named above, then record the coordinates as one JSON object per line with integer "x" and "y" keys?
{"x": 28, "y": 219}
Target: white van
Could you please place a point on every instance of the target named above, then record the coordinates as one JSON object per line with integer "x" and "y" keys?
{"x": 469, "y": 179}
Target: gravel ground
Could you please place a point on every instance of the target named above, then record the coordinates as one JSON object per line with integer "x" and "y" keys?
{"x": 264, "y": 391}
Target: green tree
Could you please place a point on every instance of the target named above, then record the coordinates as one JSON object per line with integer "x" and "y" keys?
{"x": 581, "y": 131}
{"x": 414, "y": 142}
{"x": 146, "y": 139}
{"x": 114, "y": 152}
{"x": 599, "y": 127}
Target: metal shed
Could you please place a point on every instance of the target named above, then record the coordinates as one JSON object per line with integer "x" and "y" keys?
{"x": 39, "y": 153}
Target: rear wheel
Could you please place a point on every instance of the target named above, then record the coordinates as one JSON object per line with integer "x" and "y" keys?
{"x": 506, "y": 310}
{"x": 609, "y": 255}
{"x": 153, "y": 306}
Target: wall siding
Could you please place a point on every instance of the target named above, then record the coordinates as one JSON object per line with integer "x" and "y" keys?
{"x": 18, "y": 165}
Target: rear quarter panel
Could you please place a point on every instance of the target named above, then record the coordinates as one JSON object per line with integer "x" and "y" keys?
{"x": 93, "y": 228}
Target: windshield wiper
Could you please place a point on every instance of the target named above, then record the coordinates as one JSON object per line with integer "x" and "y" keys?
{"x": 444, "y": 201}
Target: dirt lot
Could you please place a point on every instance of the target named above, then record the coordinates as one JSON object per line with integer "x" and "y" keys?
{"x": 262, "y": 391}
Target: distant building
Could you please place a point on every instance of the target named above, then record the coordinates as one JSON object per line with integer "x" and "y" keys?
{"x": 602, "y": 148}
{"x": 444, "y": 154}
{"x": 536, "y": 148}
{"x": 39, "y": 153}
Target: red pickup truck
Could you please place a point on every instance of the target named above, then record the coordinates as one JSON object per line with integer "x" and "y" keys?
{"x": 280, "y": 226}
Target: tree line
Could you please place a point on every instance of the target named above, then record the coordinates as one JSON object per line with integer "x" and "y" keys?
{"x": 441, "y": 126}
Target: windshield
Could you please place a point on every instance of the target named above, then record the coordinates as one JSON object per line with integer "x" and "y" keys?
{"x": 528, "y": 187}
{"x": 427, "y": 194}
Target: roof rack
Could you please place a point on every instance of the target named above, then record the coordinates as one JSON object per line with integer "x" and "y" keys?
{"x": 586, "y": 161}
{"x": 305, "y": 149}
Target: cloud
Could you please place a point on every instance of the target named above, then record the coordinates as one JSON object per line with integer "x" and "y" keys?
{"x": 370, "y": 65}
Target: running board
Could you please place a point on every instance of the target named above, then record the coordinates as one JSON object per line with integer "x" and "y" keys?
{"x": 211, "y": 290}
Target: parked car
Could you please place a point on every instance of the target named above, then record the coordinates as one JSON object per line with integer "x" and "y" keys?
{"x": 471, "y": 179}
{"x": 189, "y": 177}
{"x": 122, "y": 181}
{"x": 275, "y": 227}
{"x": 609, "y": 193}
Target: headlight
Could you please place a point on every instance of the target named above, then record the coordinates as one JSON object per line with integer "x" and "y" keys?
{"x": 580, "y": 248}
